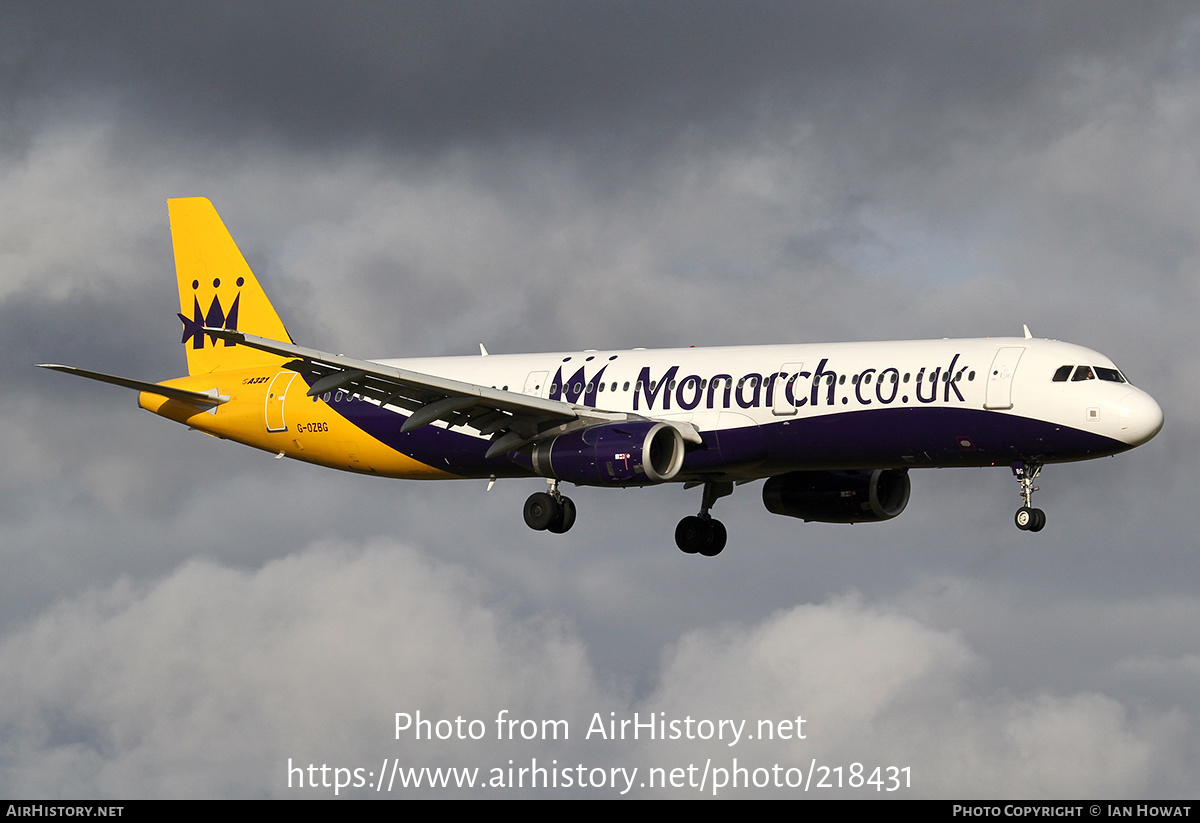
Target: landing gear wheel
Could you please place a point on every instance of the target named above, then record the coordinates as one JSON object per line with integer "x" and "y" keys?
{"x": 701, "y": 535}
{"x": 1024, "y": 518}
{"x": 691, "y": 534}
{"x": 1030, "y": 519}
{"x": 541, "y": 510}
{"x": 717, "y": 540}
{"x": 1039, "y": 521}
{"x": 565, "y": 519}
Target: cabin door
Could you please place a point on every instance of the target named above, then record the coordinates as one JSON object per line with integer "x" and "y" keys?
{"x": 1000, "y": 377}
{"x": 786, "y": 384}
{"x": 275, "y": 395}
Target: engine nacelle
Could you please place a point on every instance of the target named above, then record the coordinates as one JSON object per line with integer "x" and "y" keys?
{"x": 637, "y": 453}
{"x": 860, "y": 496}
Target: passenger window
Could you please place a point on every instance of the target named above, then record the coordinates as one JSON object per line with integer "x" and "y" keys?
{"x": 1083, "y": 373}
{"x": 1062, "y": 374}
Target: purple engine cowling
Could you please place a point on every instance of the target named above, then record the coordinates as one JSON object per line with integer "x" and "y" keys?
{"x": 857, "y": 496}
{"x": 636, "y": 453}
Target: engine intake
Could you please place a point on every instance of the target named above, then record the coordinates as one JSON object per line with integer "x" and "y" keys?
{"x": 618, "y": 454}
{"x": 857, "y": 496}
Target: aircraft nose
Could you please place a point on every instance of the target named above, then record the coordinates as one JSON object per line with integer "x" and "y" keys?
{"x": 1141, "y": 418}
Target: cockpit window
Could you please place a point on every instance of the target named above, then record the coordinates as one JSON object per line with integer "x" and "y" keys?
{"x": 1088, "y": 373}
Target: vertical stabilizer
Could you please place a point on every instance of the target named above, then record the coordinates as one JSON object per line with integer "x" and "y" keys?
{"x": 218, "y": 290}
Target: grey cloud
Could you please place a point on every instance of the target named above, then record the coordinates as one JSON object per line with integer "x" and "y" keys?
{"x": 424, "y": 74}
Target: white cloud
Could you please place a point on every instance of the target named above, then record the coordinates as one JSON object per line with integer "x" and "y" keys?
{"x": 206, "y": 682}
{"x": 883, "y": 689}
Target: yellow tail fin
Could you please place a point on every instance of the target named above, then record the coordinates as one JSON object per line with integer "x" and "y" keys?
{"x": 217, "y": 289}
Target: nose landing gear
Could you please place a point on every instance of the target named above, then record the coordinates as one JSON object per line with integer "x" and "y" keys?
{"x": 550, "y": 511}
{"x": 700, "y": 533}
{"x": 1028, "y": 519}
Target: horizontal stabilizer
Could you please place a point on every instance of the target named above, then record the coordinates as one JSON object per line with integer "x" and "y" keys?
{"x": 194, "y": 397}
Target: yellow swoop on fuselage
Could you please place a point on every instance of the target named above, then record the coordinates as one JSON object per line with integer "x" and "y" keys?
{"x": 311, "y": 430}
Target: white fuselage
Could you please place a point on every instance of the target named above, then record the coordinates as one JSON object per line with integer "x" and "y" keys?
{"x": 844, "y": 405}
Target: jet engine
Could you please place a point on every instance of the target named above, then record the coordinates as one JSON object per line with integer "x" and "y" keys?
{"x": 636, "y": 453}
{"x": 859, "y": 496}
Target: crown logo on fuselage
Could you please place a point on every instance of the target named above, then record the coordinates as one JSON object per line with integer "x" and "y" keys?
{"x": 215, "y": 318}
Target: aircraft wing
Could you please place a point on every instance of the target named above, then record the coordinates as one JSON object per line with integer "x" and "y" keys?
{"x": 512, "y": 419}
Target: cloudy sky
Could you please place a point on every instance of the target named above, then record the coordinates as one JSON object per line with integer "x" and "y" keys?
{"x": 182, "y": 617}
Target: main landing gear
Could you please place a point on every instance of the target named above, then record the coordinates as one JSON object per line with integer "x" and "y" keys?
{"x": 550, "y": 511}
{"x": 1028, "y": 518}
{"x": 700, "y": 533}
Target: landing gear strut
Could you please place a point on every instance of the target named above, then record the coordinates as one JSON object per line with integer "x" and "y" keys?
{"x": 701, "y": 534}
{"x": 550, "y": 511}
{"x": 1028, "y": 519}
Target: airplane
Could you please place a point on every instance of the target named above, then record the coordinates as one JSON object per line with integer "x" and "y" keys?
{"x": 833, "y": 428}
